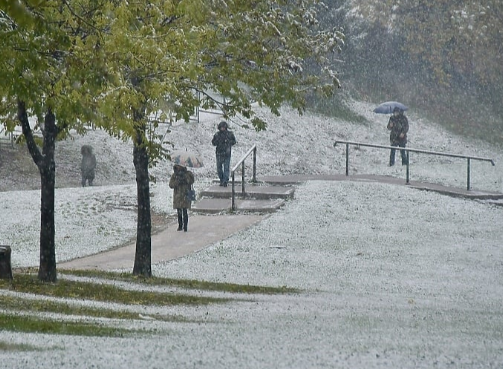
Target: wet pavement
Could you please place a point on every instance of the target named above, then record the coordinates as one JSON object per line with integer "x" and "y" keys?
{"x": 203, "y": 230}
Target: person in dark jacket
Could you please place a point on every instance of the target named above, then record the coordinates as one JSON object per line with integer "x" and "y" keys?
{"x": 399, "y": 126}
{"x": 181, "y": 181}
{"x": 223, "y": 140}
{"x": 87, "y": 165}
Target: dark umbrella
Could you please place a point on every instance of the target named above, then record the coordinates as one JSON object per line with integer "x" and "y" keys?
{"x": 388, "y": 106}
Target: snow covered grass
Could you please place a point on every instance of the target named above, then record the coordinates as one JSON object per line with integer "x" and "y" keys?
{"x": 390, "y": 277}
{"x": 84, "y": 224}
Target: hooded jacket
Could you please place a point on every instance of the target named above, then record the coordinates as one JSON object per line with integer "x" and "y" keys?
{"x": 223, "y": 140}
{"x": 181, "y": 180}
{"x": 88, "y": 163}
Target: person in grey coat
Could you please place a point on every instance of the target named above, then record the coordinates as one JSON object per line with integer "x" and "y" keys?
{"x": 181, "y": 181}
{"x": 87, "y": 165}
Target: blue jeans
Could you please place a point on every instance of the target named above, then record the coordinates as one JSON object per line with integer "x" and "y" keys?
{"x": 402, "y": 153}
{"x": 223, "y": 164}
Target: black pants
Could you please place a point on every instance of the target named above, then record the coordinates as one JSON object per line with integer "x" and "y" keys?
{"x": 87, "y": 177}
{"x": 183, "y": 218}
{"x": 402, "y": 153}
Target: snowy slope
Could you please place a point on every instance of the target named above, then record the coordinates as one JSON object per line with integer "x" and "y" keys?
{"x": 390, "y": 277}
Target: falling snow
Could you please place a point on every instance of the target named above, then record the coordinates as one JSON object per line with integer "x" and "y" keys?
{"x": 390, "y": 277}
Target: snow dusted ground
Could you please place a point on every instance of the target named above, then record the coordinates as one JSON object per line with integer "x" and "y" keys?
{"x": 391, "y": 277}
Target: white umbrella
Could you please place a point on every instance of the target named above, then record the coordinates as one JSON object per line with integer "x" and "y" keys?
{"x": 187, "y": 159}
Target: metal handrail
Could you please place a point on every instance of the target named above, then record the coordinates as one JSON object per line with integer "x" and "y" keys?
{"x": 242, "y": 163}
{"x": 9, "y": 135}
{"x": 408, "y": 150}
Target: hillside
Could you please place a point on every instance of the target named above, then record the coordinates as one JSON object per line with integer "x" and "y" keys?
{"x": 291, "y": 144}
{"x": 388, "y": 276}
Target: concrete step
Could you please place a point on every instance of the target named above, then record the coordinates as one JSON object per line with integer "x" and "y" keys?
{"x": 252, "y": 191}
{"x": 216, "y": 205}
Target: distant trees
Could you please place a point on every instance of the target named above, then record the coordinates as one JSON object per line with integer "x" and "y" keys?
{"x": 451, "y": 38}
{"x": 49, "y": 69}
{"x": 442, "y": 55}
{"x": 117, "y": 63}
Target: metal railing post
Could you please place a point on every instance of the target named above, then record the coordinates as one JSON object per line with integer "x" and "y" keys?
{"x": 242, "y": 163}
{"x": 254, "y": 164}
{"x": 243, "y": 179}
{"x": 197, "y": 107}
{"x": 409, "y": 150}
{"x": 233, "y": 203}
{"x": 408, "y": 161}
{"x": 468, "y": 175}
{"x": 347, "y": 159}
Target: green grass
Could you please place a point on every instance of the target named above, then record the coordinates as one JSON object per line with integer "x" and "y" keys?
{"x": 5, "y": 346}
{"x": 45, "y": 306}
{"x": 336, "y": 108}
{"x": 183, "y": 283}
{"x": 100, "y": 290}
{"x": 27, "y": 283}
{"x": 19, "y": 323}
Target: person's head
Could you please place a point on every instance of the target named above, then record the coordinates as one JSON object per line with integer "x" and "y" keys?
{"x": 177, "y": 168}
{"x": 222, "y": 126}
{"x": 397, "y": 111}
{"x": 86, "y": 150}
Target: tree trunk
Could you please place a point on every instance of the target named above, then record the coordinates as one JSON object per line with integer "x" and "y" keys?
{"x": 142, "y": 261}
{"x": 47, "y": 168}
{"x": 47, "y": 269}
{"x": 5, "y": 264}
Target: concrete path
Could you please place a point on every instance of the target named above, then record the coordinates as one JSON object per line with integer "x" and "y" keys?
{"x": 203, "y": 230}
{"x": 445, "y": 190}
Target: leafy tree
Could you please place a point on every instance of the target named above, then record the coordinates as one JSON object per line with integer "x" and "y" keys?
{"x": 117, "y": 63}
{"x": 49, "y": 69}
{"x": 247, "y": 51}
{"x": 443, "y": 56}
{"x": 445, "y": 35}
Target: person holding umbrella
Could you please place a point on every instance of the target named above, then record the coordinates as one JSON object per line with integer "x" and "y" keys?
{"x": 181, "y": 181}
{"x": 399, "y": 126}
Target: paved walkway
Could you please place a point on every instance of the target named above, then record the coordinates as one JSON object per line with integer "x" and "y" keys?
{"x": 205, "y": 230}
{"x": 446, "y": 190}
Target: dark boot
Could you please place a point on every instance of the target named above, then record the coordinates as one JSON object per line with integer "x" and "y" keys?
{"x": 180, "y": 220}
{"x": 185, "y": 222}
